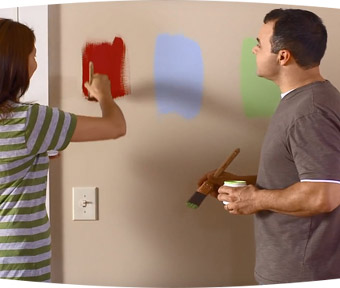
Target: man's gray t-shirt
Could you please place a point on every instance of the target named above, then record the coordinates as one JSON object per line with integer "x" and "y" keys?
{"x": 302, "y": 143}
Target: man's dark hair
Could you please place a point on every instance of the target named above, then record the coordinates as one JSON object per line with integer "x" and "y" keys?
{"x": 301, "y": 32}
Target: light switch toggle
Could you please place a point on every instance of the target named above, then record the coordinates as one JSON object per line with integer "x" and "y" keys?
{"x": 85, "y": 203}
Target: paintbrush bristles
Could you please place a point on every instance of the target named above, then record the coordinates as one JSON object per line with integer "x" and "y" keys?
{"x": 196, "y": 200}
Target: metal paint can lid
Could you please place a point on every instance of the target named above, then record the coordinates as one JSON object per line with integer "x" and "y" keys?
{"x": 235, "y": 183}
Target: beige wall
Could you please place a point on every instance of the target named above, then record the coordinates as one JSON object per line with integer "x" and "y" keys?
{"x": 146, "y": 236}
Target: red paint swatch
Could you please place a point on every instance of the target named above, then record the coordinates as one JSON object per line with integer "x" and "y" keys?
{"x": 108, "y": 58}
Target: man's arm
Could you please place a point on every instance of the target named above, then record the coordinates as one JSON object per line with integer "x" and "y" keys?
{"x": 300, "y": 199}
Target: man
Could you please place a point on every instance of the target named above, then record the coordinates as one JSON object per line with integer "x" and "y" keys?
{"x": 297, "y": 192}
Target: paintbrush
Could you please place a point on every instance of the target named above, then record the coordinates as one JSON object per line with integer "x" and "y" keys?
{"x": 91, "y": 72}
{"x": 207, "y": 187}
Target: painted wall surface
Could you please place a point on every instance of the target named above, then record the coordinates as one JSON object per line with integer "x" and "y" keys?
{"x": 145, "y": 235}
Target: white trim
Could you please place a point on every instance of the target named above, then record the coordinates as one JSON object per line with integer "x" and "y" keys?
{"x": 9, "y": 13}
{"x": 314, "y": 3}
{"x": 36, "y": 17}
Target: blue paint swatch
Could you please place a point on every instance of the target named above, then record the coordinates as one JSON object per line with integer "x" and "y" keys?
{"x": 178, "y": 69}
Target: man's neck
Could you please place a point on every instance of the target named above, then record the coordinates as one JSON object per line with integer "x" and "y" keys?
{"x": 296, "y": 77}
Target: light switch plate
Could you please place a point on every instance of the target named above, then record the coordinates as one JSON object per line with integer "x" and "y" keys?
{"x": 85, "y": 203}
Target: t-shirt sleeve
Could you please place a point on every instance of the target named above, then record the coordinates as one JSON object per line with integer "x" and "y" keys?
{"x": 315, "y": 145}
{"x": 48, "y": 129}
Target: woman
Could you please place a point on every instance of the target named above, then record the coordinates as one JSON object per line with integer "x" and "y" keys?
{"x": 27, "y": 132}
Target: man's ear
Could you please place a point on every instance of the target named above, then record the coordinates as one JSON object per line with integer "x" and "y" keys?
{"x": 283, "y": 57}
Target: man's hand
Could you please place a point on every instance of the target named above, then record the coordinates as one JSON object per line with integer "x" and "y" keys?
{"x": 215, "y": 181}
{"x": 242, "y": 200}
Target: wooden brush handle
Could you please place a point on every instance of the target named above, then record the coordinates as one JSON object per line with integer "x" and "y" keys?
{"x": 226, "y": 163}
{"x": 207, "y": 186}
{"x": 91, "y": 73}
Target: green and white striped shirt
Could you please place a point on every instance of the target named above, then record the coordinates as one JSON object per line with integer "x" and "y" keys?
{"x": 25, "y": 136}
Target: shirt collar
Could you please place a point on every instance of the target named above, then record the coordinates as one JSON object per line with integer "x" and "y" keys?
{"x": 284, "y": 94}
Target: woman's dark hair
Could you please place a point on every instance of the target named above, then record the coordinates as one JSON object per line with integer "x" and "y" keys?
{"x": 301, "y": 32}
{"x": 16, "y": 43}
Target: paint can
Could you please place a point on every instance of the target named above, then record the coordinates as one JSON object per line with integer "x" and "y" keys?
{"x": 234, "y": 183}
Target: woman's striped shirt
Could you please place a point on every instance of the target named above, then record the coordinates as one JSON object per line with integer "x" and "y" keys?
{"x": 26, "y": 134}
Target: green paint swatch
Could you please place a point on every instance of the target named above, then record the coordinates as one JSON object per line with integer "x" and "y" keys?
{"x": 260, "y": 96}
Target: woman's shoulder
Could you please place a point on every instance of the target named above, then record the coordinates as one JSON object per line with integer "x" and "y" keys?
{"x": 18, "y": 106}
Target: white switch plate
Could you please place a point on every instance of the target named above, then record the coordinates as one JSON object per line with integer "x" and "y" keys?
{"x": 85, "y": 203}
